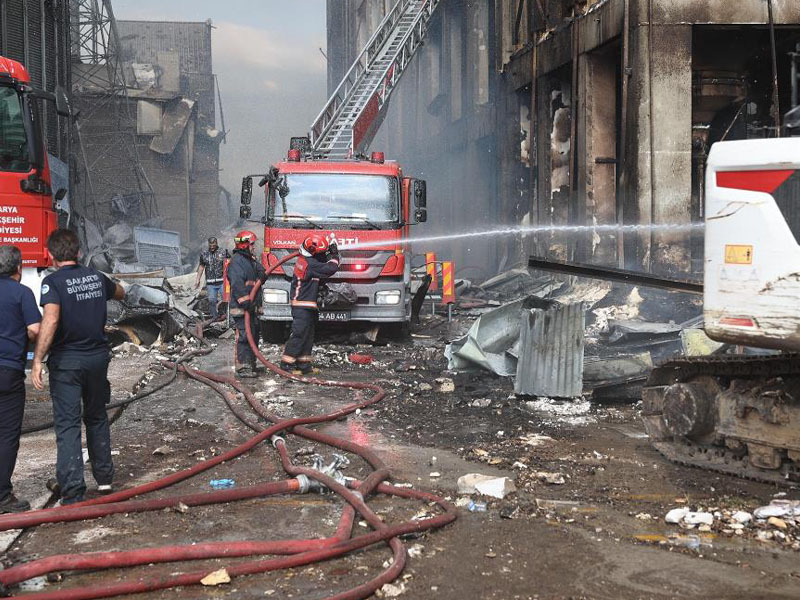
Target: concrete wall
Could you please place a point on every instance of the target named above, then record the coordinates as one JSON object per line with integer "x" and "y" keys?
{"x": 653, "y": 179}
{"x": 480, "y": 87}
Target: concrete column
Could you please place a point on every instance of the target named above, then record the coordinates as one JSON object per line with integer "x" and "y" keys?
{"x": 660, "y": 141}
{"x": 597, "y": 147}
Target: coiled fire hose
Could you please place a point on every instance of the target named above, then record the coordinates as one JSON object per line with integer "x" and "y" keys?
{"x": 297, "y": 552}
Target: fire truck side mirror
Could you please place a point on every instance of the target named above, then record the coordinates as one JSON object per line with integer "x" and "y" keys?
{"x": 247, "y": 191}
{"x": 421, "y": 215}
{"x": 62, "y": 103}
{"x": 420, "y": 193}
{"x": 245, "y": 212}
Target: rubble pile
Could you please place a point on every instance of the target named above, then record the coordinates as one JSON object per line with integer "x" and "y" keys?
{"x": 156, "y": 309}
{"x": 626, "y": 331}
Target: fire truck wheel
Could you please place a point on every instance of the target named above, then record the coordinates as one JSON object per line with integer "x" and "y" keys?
{"x": 397, "y": 331}
{"x": 274, "y": 332}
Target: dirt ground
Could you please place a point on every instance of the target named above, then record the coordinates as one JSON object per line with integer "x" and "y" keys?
{"x": 600, "y": 534}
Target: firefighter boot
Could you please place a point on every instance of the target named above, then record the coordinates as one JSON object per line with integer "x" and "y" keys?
{"x": 290, "y": 367}
{"x": 306, "y": 368}
{"x": 246, "y": 372}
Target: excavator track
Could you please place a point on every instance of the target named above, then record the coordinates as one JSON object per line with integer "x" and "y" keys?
{"x": 738, "y": 415}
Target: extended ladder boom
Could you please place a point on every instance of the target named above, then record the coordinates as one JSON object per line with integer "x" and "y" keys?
{"x": 350, "y": 118}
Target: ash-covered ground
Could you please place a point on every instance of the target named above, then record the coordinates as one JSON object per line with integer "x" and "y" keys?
{"x": 587, "y": 519}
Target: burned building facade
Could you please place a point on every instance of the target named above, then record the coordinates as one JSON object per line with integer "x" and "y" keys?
{"x": 579, "y": 113}
{"x": 166, "y": 119}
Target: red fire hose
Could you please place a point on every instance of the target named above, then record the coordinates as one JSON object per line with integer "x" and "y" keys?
{"x": 300, "y": 552}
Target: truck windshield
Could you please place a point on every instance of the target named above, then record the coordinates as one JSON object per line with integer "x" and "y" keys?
{"x": 370, "y": 201}
{"x": 14, "y": 155}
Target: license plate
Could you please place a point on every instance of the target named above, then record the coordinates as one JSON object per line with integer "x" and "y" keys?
{"x": 334, "y": 315}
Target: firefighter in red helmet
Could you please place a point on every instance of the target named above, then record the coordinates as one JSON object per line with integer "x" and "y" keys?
{"x": 319, "y": 259}
{"x": 244, "y": 271}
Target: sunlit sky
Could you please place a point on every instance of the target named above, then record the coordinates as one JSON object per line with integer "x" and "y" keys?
{"x": 266, "y": 54}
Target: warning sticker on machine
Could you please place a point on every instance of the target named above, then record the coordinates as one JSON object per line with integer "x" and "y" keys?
{"x": 738, "y": 254}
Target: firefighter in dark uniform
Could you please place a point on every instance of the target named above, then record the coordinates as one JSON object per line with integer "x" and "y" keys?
{"x": 319, "y": 260}
{"x": 244, "y": 271}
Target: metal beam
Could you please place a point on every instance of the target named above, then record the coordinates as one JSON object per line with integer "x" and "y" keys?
{"x": 619, "y": 275}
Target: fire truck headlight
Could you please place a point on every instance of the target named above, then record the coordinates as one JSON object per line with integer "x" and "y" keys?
{"x": 276, "y": 296}
{"x": 388, "y": 297}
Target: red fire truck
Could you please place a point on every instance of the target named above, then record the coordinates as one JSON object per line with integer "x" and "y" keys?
{"x": 26, "y": 197}
{"x": 365, "y": 204}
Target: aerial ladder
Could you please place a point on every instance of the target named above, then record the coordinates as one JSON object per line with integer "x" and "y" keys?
{"x": 351, "y": 117}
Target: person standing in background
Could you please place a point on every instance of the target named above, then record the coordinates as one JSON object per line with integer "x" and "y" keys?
{"x": 212, "y": 262}
{"x": 19, "y": 323}
{"x": 73, "y": 332}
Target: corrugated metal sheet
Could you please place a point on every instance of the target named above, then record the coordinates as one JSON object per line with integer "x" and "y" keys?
{"x": 35, "y": 33}
{"x": 35, "y": 43}
{"x": 157, "y": 247}
{"x": 14, "y": 44}
{"x": 143, "y": 40}
{"x": 551, "y": 351}
{"x": 489, "y": 341}
{"x": 50, "y": 74}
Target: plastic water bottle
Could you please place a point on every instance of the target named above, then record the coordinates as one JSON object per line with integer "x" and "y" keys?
{"x": 222, "y": 484}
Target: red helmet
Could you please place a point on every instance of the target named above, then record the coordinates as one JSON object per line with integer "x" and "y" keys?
{"x": 314, "y": 244}
{"x": 244, "y": 239}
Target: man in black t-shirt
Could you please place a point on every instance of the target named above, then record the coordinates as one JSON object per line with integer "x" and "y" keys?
{"x": 212, "y": 263}
{"x": 19, "y": 324}
{"x": 73, "y": 331}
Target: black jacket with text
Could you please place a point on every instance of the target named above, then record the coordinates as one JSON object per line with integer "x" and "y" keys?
{"x": 308, "y": 271}
{"x": 243, "y": 273}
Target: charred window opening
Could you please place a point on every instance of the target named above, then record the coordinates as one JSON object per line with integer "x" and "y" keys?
{"x": 732, "y": 99}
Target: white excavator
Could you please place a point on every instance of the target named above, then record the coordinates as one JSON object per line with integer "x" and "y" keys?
{"x": 740, "y": 414}
{"x": 736, "y": 413}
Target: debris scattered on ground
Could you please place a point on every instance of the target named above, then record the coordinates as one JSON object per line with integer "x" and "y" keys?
{"x": 360, "y": 359}
{"x": 763, "y": 523}
{"x": 779, "y": 508}
{"x": 221, "y": 484}
{"x": 574, "y": 412}
{"x": 487, "y": 485}
{"x": 551, "y": 478}
{"x": 535, "y": 439}
{"x": 216, "y": 578}
{"x": 474, "y": 506}
{"x": 444, "y": 385}
{"x": 392, "y": 590}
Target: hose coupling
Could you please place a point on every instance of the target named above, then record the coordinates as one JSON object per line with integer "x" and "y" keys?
{"x": 275, "y": 439}
{"x": 305, "y": 483}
